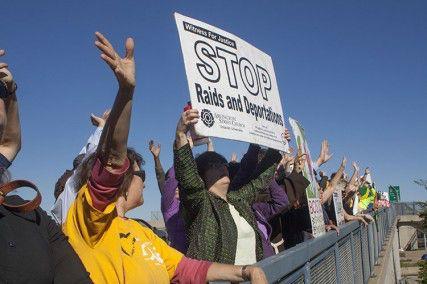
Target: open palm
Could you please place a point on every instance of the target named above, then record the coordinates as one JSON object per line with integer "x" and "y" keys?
{"x": 124, "y": 68}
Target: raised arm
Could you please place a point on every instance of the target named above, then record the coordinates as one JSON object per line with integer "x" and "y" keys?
{"x": 271, "y": 157}
{"x": 324, "y": 155}
{"x": 339, "y": 173}
{"x": 188, "y": 118}
{"x": 93, "y": 140}
{"x": 331, "y": 187}
{"x": 160, "y": 173}
{"x": 354, "y": 177}
{"x": 112, "y": 148}
{"x": 191, "y": 186}
{"x": 210, "y": 146}
{"x": 69, "y": 190}
{"x": 277, "y": 203}
{"x": 250, "y": 191}
{"x": 247, "y": 166}
{"x": 10, "y": 143}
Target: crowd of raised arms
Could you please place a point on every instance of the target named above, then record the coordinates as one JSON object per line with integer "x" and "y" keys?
{"x": 221, "y": 216}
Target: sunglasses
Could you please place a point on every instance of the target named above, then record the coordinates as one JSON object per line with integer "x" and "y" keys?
{"x": 140, "y": 173}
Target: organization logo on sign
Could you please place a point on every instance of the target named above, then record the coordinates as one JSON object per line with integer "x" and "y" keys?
{"x": 207, "y": 117}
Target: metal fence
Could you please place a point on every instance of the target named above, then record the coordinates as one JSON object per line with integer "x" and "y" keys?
{"x": 409, "y": 208}
{"x": 345, "y": 258}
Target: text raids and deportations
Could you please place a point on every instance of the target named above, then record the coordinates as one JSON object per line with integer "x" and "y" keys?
{"x": 212, "y": 97}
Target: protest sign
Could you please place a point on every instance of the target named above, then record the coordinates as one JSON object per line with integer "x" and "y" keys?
{"x": 232, "y": 84}
{"x": 338, "y": 206}
{"x": 312, "y": 192}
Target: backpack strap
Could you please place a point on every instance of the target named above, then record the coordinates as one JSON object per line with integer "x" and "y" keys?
{"x": 26, "y": 207}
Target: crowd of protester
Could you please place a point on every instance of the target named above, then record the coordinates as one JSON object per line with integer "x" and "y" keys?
{"x": 221, "y": 216}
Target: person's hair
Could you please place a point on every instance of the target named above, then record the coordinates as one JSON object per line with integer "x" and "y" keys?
{"x": 85, "y": 169}
{"x": 77, "y": 161}
{"x": 261, "y": 154}
{"x": 208, "y": 160}
{"x": 60, "y": 183}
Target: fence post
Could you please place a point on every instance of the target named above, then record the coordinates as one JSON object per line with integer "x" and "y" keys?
{"x": 371, "y": 246}
{"x": 307, "y": 276}
{"x": 375, "y": 243}
{"x": 337, "y": 262}
{"x": 353, "y": 260}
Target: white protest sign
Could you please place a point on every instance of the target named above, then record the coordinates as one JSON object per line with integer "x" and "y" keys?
{"x": 338, "y": 206}
{"x": 232, "y": 84}
{"x": 312, "y": 192}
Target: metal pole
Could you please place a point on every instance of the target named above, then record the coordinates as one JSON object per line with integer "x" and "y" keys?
{"x": 425, "y": 240}
{"x": 337, "y": 263}
{"x": 398, "y": 237}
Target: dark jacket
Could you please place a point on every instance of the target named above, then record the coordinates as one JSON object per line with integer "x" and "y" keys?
{"x": 276, "y": 199}
{"x": 33, "y": 249}
{"x": 290, "y": 223}
{"x": 211, "y": 230}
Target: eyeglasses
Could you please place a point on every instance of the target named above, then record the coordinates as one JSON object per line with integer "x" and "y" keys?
{"x": 140, "y": 173}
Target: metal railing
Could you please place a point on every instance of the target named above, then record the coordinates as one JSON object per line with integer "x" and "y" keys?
{"x": 409, "y": 208}
{"x": 345, "y": 258}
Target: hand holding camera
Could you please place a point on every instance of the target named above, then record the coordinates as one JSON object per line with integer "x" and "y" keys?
{"x": 7, "y": 85}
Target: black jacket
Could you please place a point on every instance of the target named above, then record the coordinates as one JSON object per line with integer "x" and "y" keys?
{"x": 33, "y": 249}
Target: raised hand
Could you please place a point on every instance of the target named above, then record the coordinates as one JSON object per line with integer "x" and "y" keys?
{"x": 324, "y": 155}
{"x": 5, "y": 75}
{"x": 154, "y": 149}
{"x": 210, "y": 146}
{"x": 351, "y": 187}
{"x": 355, "y": 166}
{"x": 100, "y": 121}
{"x": 124, "y": 68}
{"x": 367, "y": 171}
{"x": 10, "y": 126}
{"x": 188, "y": 118}
{"x": 287, "y": 157}
{"x": 344, "y": 161}
{"x": 287, "y": 135}
{"x": 233, "y": 158}
{"x": 299, "y": 162}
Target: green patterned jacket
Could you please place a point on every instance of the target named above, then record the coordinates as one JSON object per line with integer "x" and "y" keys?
{"x": 211, "y": 231}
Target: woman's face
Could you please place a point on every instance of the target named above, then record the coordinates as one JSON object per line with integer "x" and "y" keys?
{"x": 222, "y": 182}
{"x": 134, "y": 195}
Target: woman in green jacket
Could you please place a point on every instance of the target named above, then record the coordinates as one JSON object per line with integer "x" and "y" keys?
{"x": 220, "y": 225}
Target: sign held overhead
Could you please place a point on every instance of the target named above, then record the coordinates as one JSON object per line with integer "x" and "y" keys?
{"x": 232, "y": 84}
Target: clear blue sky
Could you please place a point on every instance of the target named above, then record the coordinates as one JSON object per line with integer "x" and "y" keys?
{"x": 354, "y": 72}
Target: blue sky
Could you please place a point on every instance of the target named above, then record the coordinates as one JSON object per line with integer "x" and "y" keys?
{"x": 350, "y": 71}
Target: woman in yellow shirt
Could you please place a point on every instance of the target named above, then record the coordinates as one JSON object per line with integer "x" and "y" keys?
{"x": 115, "y": 249}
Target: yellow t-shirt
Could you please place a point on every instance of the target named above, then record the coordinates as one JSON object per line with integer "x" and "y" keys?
{"x": 117, "y": 250}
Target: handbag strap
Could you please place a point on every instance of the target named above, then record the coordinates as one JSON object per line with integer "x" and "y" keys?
{"x": 26, "y": 207}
